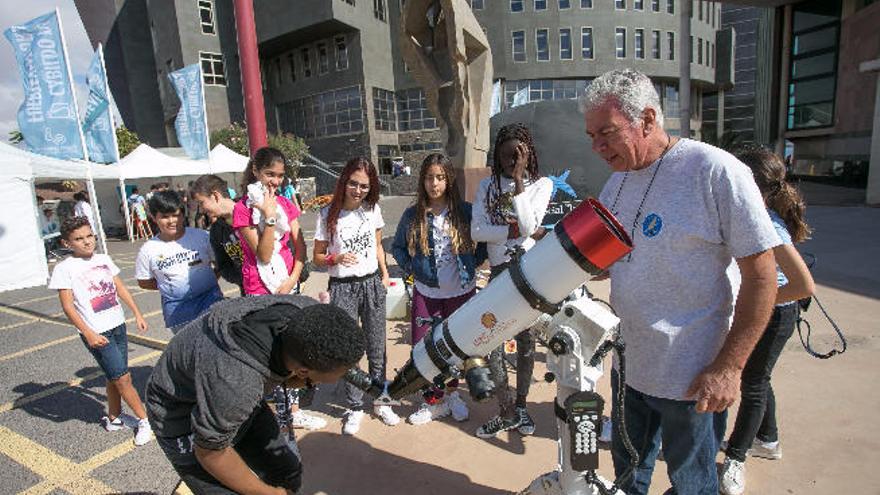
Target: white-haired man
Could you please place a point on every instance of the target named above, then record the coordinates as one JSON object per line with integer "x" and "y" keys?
{"x": 695, "y": 215}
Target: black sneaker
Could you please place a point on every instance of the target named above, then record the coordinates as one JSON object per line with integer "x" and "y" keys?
{"x": 526, "y": 423}
{"x": 495, "y": 426}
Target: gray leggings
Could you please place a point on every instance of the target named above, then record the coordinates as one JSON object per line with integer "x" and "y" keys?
{"x": 364, "y": 299}
{"x": 525, "y": 364}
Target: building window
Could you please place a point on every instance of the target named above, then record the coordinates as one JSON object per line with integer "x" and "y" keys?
{"x": 412, "y": 111}
{"x": 341, "y": 53}
{"x": 306, "y": 62}
{"x": 670, "y": 6}
{"x": 814, "y": 49}
{"x": 291, "y": 65}
{"x": 670, "y": 101}
{"x": 420, "y": 146}
{"x": 586, "y": 4}
{"x": 712, "y": 12}
{"x": 477, "y": 5}
{"x": 540, "y": 5}
{"x": 565, "y": 51}
{"x": 206, "y": 16}
{"x": 587, "y": 43}
{"x": 213, "y": 69}
{"x": 700, "y": 51}
{"x": 516, "y": 5}
{"x": 620, "y": 42}
{"x": 379, "y": 9}
{"x": 519, "y": 46}
{"x": 708, "y": 54}
{"x": 655, "y": 45}
{"x": 383, "y": 110}
{"x": 542, "y": 44}
{"x": 700, "y": 10}
{"x": 564, "y": 4}
{"x": 323, "y": 59}
{"x": 620, "y": 4}
{"x": 638, "y": 4}
{"x": 545, "y": 89}
{"x": 278, "y": 80}
{"x": 350, "y": 2}
{"x": 640, "y": 43}
{"x": 655, "y": 5}
{"x": 325, "y": 114}
{"x": 691, "y": 53}
{"x": 670, "y": 41}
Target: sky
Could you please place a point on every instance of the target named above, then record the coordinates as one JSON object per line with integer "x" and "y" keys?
{"x": 78, "y": 48}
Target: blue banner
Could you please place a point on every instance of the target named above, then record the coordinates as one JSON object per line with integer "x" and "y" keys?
{"x": 98, "y": 124}
{"x": 47, "y": 119}
{"x": 191, "y": 127}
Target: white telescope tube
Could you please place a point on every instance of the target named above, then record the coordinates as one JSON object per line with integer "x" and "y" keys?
{"x": 583, "y": 244}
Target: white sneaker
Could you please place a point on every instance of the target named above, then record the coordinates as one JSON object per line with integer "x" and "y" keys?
{"x": 144, "y": 433}
{"x": 300, "y": 419}
{"x": 457, "y": 406}
{"x": 732, "y": 479}
{"x": 386, "y": 415}
{"x": 115, "y": 425}
{"x": 766, "y": 450}
{"x": 352, "y": 422}
{"x": 429, "y": 412}
{"x": 607, "y": 426}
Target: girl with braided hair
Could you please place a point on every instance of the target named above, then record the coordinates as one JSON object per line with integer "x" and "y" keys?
{"x": 755, "y": 432}
{"x": 507, "y": 214}
{"x": 433, "y": 243}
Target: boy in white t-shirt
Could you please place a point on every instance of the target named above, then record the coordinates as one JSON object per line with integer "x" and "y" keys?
{"x": 90, "y": 289}
{"x": 177, "y": 263}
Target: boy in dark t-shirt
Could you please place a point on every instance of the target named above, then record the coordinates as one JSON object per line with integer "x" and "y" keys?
{"x": 205, "y": 395}
{"x": 212, "y": 195}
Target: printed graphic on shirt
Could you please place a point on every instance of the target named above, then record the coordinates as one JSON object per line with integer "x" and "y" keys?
{"x": 652, "y": 225}
{"x": 357, "y": 240}
{"x": 189, "y": 257}
{"x": 232, "y": 248}
{"x": 102, "y": 291}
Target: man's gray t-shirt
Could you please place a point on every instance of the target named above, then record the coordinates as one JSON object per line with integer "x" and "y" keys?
{"x": 675, "y": 294}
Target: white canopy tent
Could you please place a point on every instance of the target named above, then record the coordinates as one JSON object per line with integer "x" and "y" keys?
{"x": 147, "y": 162}
{"x": 22, "y": 256}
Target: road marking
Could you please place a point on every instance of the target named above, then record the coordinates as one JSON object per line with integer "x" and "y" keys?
{"x": 19, "y": 324}
{"x": 58, "y": 471}
{"x": 27, "y": 399}
{"x": 37, "y": 348}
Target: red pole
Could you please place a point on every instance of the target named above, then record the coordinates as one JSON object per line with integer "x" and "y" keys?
{"x": 254, "y": 109}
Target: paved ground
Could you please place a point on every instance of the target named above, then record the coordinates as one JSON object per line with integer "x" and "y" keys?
{"x": 52, "y": 394}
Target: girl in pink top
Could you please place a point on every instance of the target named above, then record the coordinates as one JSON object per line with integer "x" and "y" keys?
{"x": 267, "y": 168}
{"x": 260, "y": 243}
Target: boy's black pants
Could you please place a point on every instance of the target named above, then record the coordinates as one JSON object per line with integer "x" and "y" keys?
{"x": 260, "y": 443}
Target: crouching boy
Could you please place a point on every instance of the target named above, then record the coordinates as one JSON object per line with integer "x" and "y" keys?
{"x": 204, "y": 397}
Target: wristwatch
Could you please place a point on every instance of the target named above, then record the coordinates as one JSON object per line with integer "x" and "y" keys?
{"x": 271, "y": 221}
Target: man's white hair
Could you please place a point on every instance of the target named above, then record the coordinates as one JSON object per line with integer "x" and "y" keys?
{"x": 631, "y": 90}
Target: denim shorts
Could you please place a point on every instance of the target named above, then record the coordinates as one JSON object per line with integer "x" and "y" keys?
{"x": 113, "y": 357}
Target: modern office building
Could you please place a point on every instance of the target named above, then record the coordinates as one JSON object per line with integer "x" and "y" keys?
{"x": 746, "y": 110}
{"x": 821, "y": 95}
{"x": 333, "y": 71}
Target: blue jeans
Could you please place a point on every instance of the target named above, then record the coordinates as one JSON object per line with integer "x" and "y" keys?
{"x": 113, "y": 357}
{"x": 689, "y": 442}
{"x": 757, "y": 409}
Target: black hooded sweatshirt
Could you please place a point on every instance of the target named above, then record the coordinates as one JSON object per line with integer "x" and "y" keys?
{"x": 215, "y": 371}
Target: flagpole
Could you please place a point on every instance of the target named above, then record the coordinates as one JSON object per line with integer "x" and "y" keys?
{"x": 96, "y": 210}
{"x": 128, "y": 225}
{"x": 205, "y": 114}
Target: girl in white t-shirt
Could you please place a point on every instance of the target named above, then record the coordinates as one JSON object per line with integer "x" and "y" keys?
{"x": 508, "y": 211}
{"x": 348, "y": 241}
{"x": 89, "y": 287}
